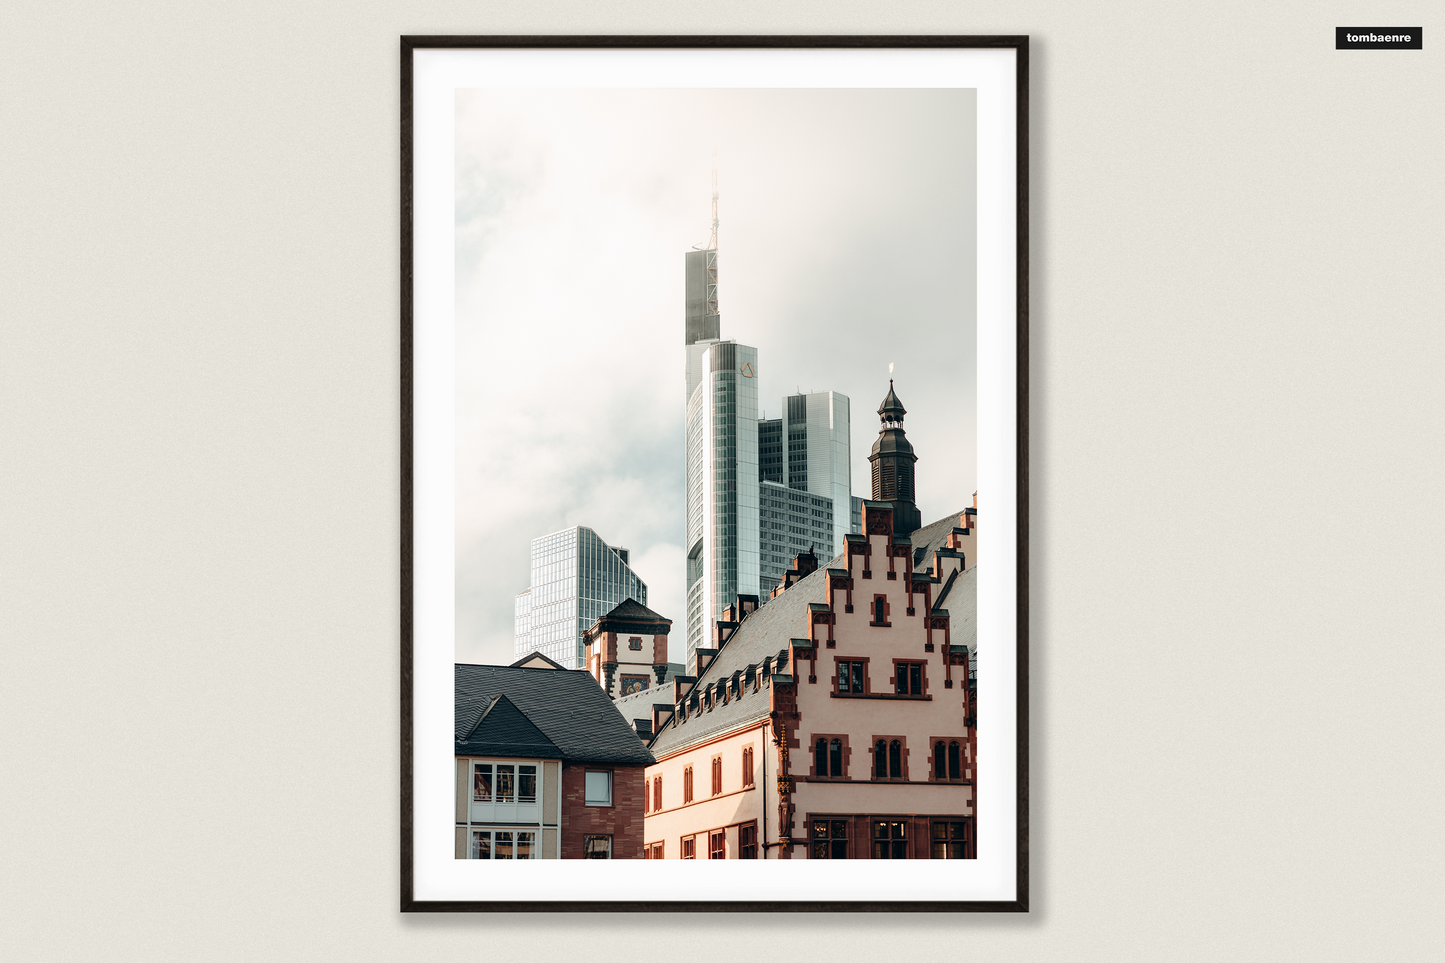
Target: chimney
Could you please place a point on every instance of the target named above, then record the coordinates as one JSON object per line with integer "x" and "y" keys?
{"x": 805, "y": 565}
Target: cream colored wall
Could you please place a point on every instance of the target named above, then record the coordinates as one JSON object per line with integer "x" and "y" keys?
{"x": 633, "y": 663}
{"x": 734, "y": 805}
{"x": 968, "y": 545}
{"x": 877, "y": 799}
{"x": 551, "y": 792}
{"x": 462, "y": 788}
{"x": 615, "y": 647}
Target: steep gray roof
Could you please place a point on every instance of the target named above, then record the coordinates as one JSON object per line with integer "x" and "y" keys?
{"x": 566, "y": 706}
{"x": 630, "y": 608}
{"x": 505, "y": 730}
{"x": 767, "y": 632}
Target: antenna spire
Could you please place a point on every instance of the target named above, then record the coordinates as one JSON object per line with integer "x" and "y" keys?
{"x": 712, "y": 308}
{"x": 712, "y": 241}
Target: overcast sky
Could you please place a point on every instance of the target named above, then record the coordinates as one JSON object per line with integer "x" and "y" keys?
{"x": 847, "y": 242}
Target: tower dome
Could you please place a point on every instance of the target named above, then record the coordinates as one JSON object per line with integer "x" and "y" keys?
{"x": 892, "y": 459}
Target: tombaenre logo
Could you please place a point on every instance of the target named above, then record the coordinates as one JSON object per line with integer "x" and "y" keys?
{"x": 1378, "y": 38}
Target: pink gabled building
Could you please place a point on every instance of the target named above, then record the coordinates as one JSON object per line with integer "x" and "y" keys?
{"x": 837, "y": 720}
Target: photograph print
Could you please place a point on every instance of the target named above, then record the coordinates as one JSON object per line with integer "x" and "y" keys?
{"x": 717, "y": 506}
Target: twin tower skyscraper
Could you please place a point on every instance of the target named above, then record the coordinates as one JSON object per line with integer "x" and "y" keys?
{"x": 759, "y": 491}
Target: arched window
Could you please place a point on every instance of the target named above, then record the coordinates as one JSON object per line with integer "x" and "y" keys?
{"x": 820, "y": 761}
{"x": 939, "y": 772}
{"x": 953, "y": 762}
{"x": 835, "y": 758}
{"x": 895, "y": 759}
{"x": 880, "y": 759}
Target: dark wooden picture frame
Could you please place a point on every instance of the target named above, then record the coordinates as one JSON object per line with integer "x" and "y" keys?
{"x": 410, "y": 44}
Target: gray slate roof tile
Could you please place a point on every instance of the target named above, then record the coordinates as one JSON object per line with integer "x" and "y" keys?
{"x": 566, "y": 705}
{"x": 504, "y": 730}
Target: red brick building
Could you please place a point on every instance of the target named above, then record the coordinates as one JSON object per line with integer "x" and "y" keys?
{"x": 546, "y": 766}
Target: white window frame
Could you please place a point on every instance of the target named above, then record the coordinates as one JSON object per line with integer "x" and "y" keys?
{"x": 472, "y": 785}
{"x": 548, "y": 816}
{"x": 587, "y": 797}
{"x": 516, "y": 832}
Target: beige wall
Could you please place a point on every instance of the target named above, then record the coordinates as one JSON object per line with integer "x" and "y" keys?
{"x": 616, "y": 647}
{"x": 735, "y": 804}
{"x": 633, "y": 663}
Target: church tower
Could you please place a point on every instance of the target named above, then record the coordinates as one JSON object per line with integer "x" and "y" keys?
{"x": 892, "y": 459}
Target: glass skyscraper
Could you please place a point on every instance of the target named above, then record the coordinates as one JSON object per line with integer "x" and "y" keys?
{"x": 576, "y": 579}
{"x": 722, "y": 482}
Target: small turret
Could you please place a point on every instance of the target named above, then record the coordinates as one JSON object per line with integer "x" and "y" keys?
{"x": 893, "y": 459}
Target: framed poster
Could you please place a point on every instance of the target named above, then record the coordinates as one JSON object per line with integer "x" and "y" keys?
{"x": 714, "y": 397}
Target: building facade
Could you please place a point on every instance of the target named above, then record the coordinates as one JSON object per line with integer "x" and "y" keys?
{"x": 836, "y": 722}
{"x": 546, "y": 767}
{"x": 576, "y": 578}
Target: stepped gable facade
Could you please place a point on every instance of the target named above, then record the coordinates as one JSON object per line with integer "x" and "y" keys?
{"x": 837, "y": 721}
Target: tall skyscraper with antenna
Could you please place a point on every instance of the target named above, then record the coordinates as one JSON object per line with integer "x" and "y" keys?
{"x": 759, "y": 493}
{"x": 722, "y": 451}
